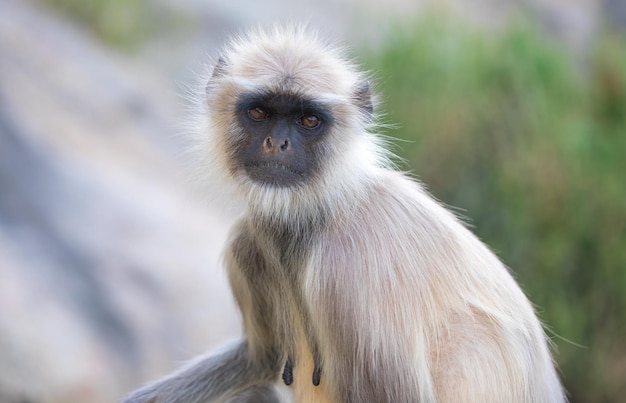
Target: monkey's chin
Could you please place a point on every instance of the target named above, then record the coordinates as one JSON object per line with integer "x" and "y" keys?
{"x": 275, "y": 174}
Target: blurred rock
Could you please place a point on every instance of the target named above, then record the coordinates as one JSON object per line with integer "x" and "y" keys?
{"x": 109, "y": 264}
{"x": 615, "y": 11}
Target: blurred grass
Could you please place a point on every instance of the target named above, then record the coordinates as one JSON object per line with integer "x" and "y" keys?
{"x": 532, "y": 147}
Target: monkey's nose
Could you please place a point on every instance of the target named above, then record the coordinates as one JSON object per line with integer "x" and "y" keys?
{"x": 277, "y": 146}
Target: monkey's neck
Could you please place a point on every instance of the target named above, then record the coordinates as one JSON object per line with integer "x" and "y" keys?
{"x": 311, "y": 207}
{"x": 289, "y": 214}
{"x": 289, "y": 237}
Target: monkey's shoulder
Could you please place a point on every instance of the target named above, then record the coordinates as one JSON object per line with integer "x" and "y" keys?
{"x": 394, "y": 219}
{"x": 396, "y": 206}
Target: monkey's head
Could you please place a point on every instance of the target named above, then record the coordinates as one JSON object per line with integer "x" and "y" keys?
{"x": 289, "y": 119}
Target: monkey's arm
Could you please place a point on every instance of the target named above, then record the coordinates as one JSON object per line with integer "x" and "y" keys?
{"x": 245, "y": 372}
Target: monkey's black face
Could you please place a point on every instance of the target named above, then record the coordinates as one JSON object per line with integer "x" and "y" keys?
{"x": 283, "y": 138}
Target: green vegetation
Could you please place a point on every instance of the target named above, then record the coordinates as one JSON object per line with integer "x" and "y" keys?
{"x": 532, "y": 147}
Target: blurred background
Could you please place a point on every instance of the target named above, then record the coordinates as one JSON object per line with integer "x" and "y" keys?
{"x": 511, "y": 112}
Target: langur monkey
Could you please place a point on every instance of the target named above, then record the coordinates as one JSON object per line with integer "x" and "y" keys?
{"x": 354, "y": 284}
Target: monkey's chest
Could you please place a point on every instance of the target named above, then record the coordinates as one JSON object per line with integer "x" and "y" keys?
{"x": 307, "y": 381}
{"x": 303, "y": 372}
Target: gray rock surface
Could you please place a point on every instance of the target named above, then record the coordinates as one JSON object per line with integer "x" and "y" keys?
{"x": 109, "y": 264}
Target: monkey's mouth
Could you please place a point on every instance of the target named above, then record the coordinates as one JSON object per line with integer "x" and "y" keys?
{"x": 274, "y": 173}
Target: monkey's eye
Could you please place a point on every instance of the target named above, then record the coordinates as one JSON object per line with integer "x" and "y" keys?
{"x": 309, "y": 121}
{"x": 258, "y": 113}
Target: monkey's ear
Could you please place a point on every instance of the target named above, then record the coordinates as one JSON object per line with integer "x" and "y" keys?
{"x": 220, "y": 68}
{"x": 218, "y": 71}
{"x": 363, "y": 98}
